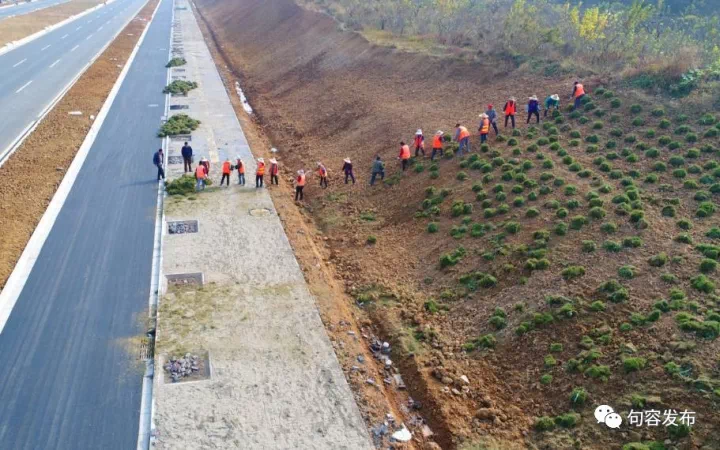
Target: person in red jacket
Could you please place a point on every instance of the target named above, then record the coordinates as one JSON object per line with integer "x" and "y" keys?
{"x": 578, "y": 93}
{"x": 509, "y": 110}
{"x": 200, "y": 176}
{"x": 274, "y": 171}
{"x": 419, "y": 142}
{"x": 299, "y": 185}
{"x": 226, "y": 169}
{"x": 404, "y": 155}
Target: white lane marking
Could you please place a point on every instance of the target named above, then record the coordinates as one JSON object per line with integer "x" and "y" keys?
{"x": 18, "y": 63}
{"x": 46, "y": 47}
{"x": 101, "y": 27}
{"x": 76, "y": 29}
{"x": 64, "y": 37}
{"x": 74, "y": 48}
{"x": 54, "y": 64}
{"x": 89, "y": 36}
{"x": 24, "y": 86}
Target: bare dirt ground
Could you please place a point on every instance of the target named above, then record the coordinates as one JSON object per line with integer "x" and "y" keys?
{"x": 19, "y": 27}
{"x": 33, "y": 173}
{"x": 323, "y": 94}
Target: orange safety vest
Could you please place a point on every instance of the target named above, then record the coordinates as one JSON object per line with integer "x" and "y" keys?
{"x": 419, "y": 141}
{"x": 485, "y": 129}
{"x": 437, "y": 142}
{"x": 240, "y": 167}
{"x": 405, "y": 152}
{"x": 226, "y": 168}
{"x": 301, "y": 180}
{"x": 463, "y": 133}
{"x": 510, "y": 108}
{"x": 274, "y": 169}
{"x": 579, "y": 90}
{"x": 261, "y": 169}
{"x": 322, "y": 171}
{"x": 200, "y": 172}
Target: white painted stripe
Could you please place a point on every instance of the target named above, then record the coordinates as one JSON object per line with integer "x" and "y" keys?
{"x": 23, "y": 268}
{"x": 46, "y": 47}
{"x": 74, "y": 48}
{"x": 89, "y": 36}
{"x": 76, "y": 29}
{"x": 101, "y": 27}
{"x": 64, "y": 37}
{"x": 54, "y": 64}
{"x": 24, "y": 86}
{"x": 18, "y": 63}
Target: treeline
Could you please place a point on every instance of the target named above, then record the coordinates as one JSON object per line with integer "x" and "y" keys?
{"x": 667, "y": 38}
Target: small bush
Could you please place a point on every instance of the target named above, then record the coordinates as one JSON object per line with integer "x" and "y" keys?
{"x": 180, "y": 87}
{"x": 634, "y": 364}
{"x": 175, "y": 62}
{"x": 658, "y": 260}
{"x": 178, "y": 124}
{"x": 572, "y": 272}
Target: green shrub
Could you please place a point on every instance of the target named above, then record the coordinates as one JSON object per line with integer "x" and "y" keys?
{"x": 178, "y": 124}
{"x": 612, "y": 246}
{"x": 703, "y": 284}
{"x": 432, "y": 227}
{"x": 684, "y": 224}
{"x": 532, "y": 212}
{"x": 544, "y": 424}
{"x": 597, "y": 306}
{"x": 658, "y": 260}
{"x": 180, "y": 87}
{"x": 588, "y": 246}
{"x": 572, "y": 272}
{"x": 578, "y": 396}
{"x": 600, "y": 372}
{"x": 633, "y": 364}
{"x": 175, "y": 62}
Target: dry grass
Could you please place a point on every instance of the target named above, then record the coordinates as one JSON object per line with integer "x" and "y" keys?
{"x": 22, "y": 26}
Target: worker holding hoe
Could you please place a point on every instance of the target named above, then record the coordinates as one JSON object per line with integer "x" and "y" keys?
{"x": 437, "y": 148}
{"x": 462, "y": 136}
{"x": 533, "y": 108}
{"x": 552, "y": 101}
{"x": 404, "y": 155}
{"x": 299, "y": 185}
{"x": 347, "y": 169}
{"x": 492, "y": 115}
{"x": 578, "y": 93}
{"x": 323, "y": 174}
{"x": 484, "y": 128}
{"x": 378, "y": 168}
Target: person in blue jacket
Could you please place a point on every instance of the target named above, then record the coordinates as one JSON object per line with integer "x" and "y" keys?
{"x": 533, "y": 108}
{"x": 159, "y": 161}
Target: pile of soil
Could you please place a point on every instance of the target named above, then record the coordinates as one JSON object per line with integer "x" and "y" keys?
{"x": 323, "y": 94}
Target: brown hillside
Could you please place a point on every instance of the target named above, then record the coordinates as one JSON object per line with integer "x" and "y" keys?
{"x": 537, "y": 209}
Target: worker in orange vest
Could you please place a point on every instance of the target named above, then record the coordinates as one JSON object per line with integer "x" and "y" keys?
{"x": 260, "y": 173}
{"x": 323, "y": 174}
{"x": 206, "y": 164}
{"x": 419, "y": 143}
{"x": 509, "y": 110}
{"x": 226, "y": 169}
{"x": 241, "y": 171}
{"x": 484, "y": 128}
{"x": 404, "y": 155}
{"x": 462, "y": 136}
{"x": 437, "y": 145}
{"x": 274, "y": 171}
{"x": 578, "y": 93}
{"x": 299, "y": 185}
{"x": 200, "y": 176}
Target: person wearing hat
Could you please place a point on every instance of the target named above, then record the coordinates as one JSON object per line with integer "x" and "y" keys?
{"x": 241, "y": 171}
{"x": 509, "y": 110}
{"x": 404, "y": 156}
{"x": 437, "y": 148}
{"x": 205, "y": 163}
{"x": 348, "y": 171}
{"x": 462, "y": 136}
{"x": 274, "y": 171}
{"x": 299, "y": 185}
{"x": 200, "y": 176}
{"x": 323, "y": 174}
{"x": 419, "y": 143}
{"x": 260, "y": 173}
{"x": 378, "y": 168}
{"x": 552, "y": 101}
{"x": 533, "y": 108}
{"x": 492, "y": 115}
{"x": 484, "y": 128}
{"x": 578, "y": 93}
{"x": 226, "y": 170}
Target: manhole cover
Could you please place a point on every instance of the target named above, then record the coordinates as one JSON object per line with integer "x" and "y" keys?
{"x": 185, "y": 279}
{"x": 175, "y": 107}
{"x": 183, "y": 226}
{"x": 182, "y": 137}
{"x": 260, "y": 212}
{"x": 175, "y": 159}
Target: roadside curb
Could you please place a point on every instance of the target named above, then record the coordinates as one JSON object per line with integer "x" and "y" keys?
{"x": 16, "y": 282}
{"x": 15, "y": 44}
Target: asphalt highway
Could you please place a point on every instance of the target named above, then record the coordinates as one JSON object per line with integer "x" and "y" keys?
{"x": 35, "y": 73}
{"x": 70, "y": 377}
{"x": 26, "y": 8}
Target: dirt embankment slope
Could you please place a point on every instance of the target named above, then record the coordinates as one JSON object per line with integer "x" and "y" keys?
{"x": 322, "y": 94}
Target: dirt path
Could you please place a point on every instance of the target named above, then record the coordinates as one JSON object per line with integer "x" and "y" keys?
{"x": 16, "y": 28}
{"x": 33, "y": 173}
